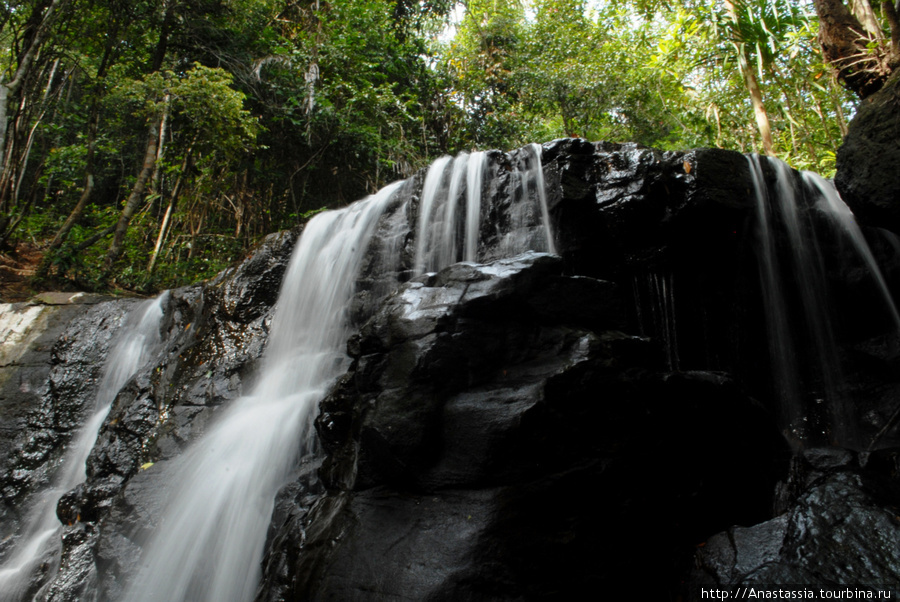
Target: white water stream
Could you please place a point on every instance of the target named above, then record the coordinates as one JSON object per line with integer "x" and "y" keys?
{"x": 136, "y": 342}
{"x": 804, "y": 356}
{"x": 474, "y": 178}
{"x": 209, "y": 543}
{"x": 833, "y": 205}
{"x": 781, "y": 344}
{"x": 444, "y": 234}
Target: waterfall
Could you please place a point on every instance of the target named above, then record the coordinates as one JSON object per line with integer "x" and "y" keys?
{"x": 137, "y": 341}
{"x": 445, "y": 235}
{"x": 210, "y": 539}
{"x": 474, "y": 177}
{"x": 781, "y": 350}
{"x": 446, "y": 251}
{"x": 804, "y": 357}
{"x": 231, "y": 475}
{"x": 428, "y": 239}
{"x": 529, "y": 218}
{"x": 539, "y": 188}
{"x": 834, "y": 206}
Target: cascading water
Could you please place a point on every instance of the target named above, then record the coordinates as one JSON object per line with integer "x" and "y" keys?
{"x": 447, "y": 252}
{"x": 231, "y": 476}
{"x": 529, "y": 221}
{"x": 804, "y": 358}
{"x": 656, "y": 292}
{"x": 474, "y": 177}
{"x": 138, "y": 339}
{"x": 540, "y": 190}
{"x": 429, "y": 228}
{"x": 834, "y": 206}
{"x": 209, "y": 542}
{"x": 443, "y": 237}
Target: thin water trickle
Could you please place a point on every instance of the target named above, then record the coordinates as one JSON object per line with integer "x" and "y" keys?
{"x": 210, "y": 539}
{"x": 655, "y": 292}
{"x": 138, "y": 339}
{"x": 432, "y": 195}
{"x": 778, "y": 325}
{"x": 834, "y": 206}
{"x": 474, "y": 178}
{"x": 540, "y": 187}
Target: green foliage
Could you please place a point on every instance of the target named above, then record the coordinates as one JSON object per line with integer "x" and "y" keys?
{"x": 275, "y": 109}
{"x": 569, "y": 69}
{"x": 700, "y": 44}
{"x": 658, "y": 73}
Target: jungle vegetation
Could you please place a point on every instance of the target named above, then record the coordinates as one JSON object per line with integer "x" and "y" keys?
{"x": 148, "y": 144}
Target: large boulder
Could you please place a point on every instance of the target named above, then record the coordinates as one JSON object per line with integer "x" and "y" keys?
{"x": 499, "y": 437}
{"x": 839, "y": 528}
{"x": 51, "y": 358}
{"x": 868, "y": 176}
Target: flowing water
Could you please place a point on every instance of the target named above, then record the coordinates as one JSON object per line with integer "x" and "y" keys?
{"x": 804, "y": 356}
{"x": 781, "y": 345}
{"x": 138, "y": 340}
{"x": 834, "y": 206}
{"x": 231, "y": 476}
{"x": 209, "y": 543}
{"x": 445, "y": 234}
{"x": 529, "y": 219}
{"x": 430, "y": 224}
{"x": 474, "y": 178}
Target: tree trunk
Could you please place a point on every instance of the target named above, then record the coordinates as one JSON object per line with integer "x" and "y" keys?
{"x": 135, "y": 198}
{"x": 154, "y": 181}
{"x": 67, "y": 226}
{"x": 149, "y": 165}
{"x": 164, "y": 227}
{"x": 8, "y": 89}
{"x": 759, "y": 109}
{"x": 844, "y": 47}
{"x": 863, "y": 12}
{"x": 890, "y": 12}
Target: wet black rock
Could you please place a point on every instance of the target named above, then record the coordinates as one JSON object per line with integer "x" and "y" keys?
{"x": 49, "y": 391}
{"x": 867, "y": 174}
{"x": 839, "y": 528}
{"x": 253, "y": 288}
{"x": 624, "y": 207}
{"x": 522, "y": 428}
{"x": 484, "y": 445}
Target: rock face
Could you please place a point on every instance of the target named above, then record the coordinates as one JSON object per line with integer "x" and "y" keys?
{"x": 839, "y": 528}
{"x": 484, "y": 444}
{"x": 867, "y": 162}
{"x": 50, "y": 357}
{"x": 519, "y": 427}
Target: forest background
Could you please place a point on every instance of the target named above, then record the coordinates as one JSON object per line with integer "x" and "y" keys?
{"x": 150, "y": 144}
